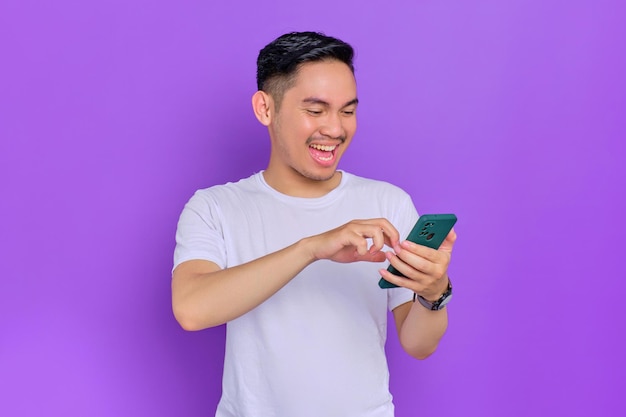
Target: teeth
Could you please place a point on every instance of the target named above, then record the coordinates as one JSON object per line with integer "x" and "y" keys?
{"x": 326, "y": 148}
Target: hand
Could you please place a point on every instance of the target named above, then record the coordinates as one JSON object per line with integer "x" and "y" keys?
{"x": 348, "y": 243}
{"x": 425, "y": 270}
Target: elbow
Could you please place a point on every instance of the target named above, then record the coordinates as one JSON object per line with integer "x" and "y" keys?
{"x": 419, "y": 351}
{"x": 192, "y": 320}
{"x": 187, "y": 320}
{"x": 421, "y": 354}
{"x": 188, "y": 325}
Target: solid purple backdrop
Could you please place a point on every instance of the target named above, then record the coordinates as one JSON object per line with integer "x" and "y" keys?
{"x": 510, "y": 114}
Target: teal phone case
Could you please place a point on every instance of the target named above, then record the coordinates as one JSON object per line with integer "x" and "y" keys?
{"x": 430, "y": 230}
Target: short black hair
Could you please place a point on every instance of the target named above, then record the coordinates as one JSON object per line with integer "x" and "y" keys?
{"x": 279, "y": 61}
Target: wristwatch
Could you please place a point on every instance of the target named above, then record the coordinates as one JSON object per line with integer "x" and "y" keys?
{"x": 440, "y": 303}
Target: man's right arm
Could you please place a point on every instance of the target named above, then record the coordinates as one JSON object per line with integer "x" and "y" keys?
{"x": 204, "y": 295}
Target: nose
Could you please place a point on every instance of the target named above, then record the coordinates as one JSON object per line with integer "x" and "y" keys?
{"x": 332, "y": 126}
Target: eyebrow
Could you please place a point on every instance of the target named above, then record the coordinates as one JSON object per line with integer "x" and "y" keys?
{"x": 315, "y": 100}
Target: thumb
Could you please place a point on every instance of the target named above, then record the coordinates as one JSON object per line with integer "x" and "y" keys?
{"x": 448, "y": 243}
{"x": 377, "y": 256}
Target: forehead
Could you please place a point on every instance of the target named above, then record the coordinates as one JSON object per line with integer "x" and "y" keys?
{"x": 330, "y": 80}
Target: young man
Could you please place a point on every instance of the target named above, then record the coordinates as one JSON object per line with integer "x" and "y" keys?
{"x": 290, "y": 257}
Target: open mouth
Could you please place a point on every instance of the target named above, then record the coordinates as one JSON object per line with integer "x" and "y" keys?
{"x": 323, "y": 153}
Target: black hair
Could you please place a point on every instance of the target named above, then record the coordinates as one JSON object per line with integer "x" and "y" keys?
{"x": 279, "y": 61}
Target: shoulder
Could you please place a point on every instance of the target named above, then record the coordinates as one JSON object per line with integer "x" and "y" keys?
{"x": 221, "y": 197}
{"x": 243, "y": 186}
{"x": 381, "y": 199}
{"x": 373, "y": 186}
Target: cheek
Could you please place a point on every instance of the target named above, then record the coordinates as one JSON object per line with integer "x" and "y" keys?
{"x": 349, "y": 124}
{"x": 300, "y": 127}
{"x": 350, "y": 128}
{"x": 310, "y": 126}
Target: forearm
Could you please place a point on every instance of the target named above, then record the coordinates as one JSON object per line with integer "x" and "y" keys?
{"x": 206, "y": 299}
{"x": 203, "y": 295}
{"x": 422, "y": 330}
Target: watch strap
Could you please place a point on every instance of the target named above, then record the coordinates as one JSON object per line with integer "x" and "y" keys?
{"x": 440, "y": 303}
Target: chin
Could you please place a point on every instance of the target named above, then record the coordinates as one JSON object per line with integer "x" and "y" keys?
{"x": 326, "y": 174}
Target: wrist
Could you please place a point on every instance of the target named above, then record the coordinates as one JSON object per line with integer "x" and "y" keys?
{"x": 304, "y": 248}
{"x": 437, "y": 304}
{"x": 432, "y": 299}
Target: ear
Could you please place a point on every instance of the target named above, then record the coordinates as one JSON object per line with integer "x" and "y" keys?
{"x": 263, "y": 107}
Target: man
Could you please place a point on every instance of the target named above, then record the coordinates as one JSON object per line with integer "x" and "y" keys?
{"x": 290, "y": 257}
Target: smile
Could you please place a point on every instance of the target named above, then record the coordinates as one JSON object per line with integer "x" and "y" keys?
{"x": 323, "y": 154}
{"x": 325, "y": 148}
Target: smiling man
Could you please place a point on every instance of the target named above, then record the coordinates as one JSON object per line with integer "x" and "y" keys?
{"x": 312, "y": 129}
{"x": 290, "y": 257}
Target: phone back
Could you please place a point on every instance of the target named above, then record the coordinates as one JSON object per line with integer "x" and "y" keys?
{"x": 430, "y": 230}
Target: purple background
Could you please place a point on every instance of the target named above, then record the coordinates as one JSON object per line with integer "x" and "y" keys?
{"x": 508, "y": 113}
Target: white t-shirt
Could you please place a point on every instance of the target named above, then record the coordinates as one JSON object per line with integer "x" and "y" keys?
{"x": 315, "y": 348}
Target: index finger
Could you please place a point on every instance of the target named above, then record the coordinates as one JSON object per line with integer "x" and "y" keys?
{"x": 391, "y": 234}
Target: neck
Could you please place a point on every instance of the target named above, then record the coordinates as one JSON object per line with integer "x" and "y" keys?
{"x": 295, "y": 184}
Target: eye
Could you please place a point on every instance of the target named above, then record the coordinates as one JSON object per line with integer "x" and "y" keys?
{"x": 349, "y": 112}
{"x": 314, "y": 112}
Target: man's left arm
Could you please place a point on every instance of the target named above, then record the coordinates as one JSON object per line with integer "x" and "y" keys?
{"x": 425, "y": 272}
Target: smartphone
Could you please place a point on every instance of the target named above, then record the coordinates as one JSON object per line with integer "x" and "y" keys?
{"x": 429, "y": 230}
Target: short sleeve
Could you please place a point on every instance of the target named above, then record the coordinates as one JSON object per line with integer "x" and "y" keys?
{"x": 405, "y": 216}
{"x": 398, "y": 296}
{"x": 199, "y": 232}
